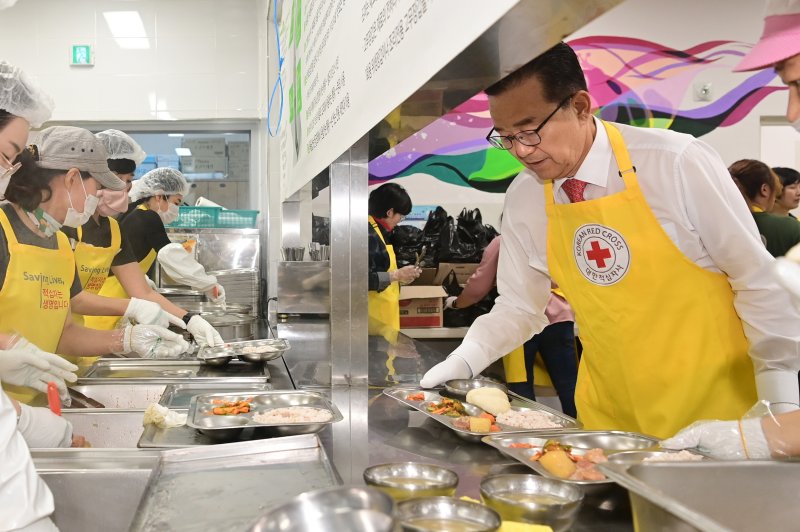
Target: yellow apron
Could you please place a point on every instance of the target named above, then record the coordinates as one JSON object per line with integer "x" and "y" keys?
{"x": 34, "y": 300}
{"x": 663, "y": 345}
{"x": 112, "y": 288}
{"x": 384, "y": 307}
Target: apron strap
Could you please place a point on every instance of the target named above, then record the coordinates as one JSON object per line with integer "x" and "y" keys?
{"x": 374, "y": 225}
{"x": 626, "y": 169}
{"x": 5, "y": 223}
{"x": 80, "y": 233}
{"x": 116, "y": 235}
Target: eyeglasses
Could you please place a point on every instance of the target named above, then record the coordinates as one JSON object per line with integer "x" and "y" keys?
{"x": 7, "y": 167}
{"x": 529, "y": 137}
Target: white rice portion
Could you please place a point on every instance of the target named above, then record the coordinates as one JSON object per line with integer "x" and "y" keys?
{"x": 293, "y": 414}
{"x": 681, "y": 456}
{"x": 527, "y": 419}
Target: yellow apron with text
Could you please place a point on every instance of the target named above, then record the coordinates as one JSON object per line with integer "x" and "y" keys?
{"x": 34, "y": 300}
{"x": 663, "y": 345}
{"x": 384, "y": 307}
{"x": 113, "y": 288}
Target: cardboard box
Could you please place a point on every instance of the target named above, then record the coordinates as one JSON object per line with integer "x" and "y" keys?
{"x": 426, "y": 278}
{"x": 421, "y": 306}
{"x": 463, "y": 271}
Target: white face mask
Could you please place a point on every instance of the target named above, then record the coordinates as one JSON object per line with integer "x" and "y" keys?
{"x": 4, "y": 179}
{"x": 75, "y": 218}
{"x": 170, "y": 215}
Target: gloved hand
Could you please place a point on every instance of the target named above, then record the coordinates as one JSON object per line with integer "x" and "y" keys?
{"x": 452, "y": 367}
{"x": 216, "y": 294}
{"x": 450, "y": 302}
{"x": 150, "y": 283}
{"x": 204, "y": 334}
{"x": 43, "y": 429}
{"x": 722, "y": 439}
{"x": 27, "y": 365}
{"x": 152, "y": 341}
{"x": 405, "y": 275}
{"x": 150, "y": 313}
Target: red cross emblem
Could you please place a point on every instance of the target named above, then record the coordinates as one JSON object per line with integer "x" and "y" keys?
{"x": 598, "y": 254}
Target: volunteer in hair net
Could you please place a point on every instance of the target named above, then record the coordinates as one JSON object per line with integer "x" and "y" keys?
{"x": 769, "y": 436}
{"x": 26, "y": 501}
{"x": 155, "y": 198}
{"x": 103, "y": 251}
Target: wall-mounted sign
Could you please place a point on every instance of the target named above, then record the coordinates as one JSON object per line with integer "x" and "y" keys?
{"x": 81, "y": 55}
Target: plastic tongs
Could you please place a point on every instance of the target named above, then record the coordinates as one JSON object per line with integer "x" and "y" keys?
{"x": 420, "y": 256}
{"x": 53, "y": 400}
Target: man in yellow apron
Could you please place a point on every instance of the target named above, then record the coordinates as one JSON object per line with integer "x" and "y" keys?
{"x": 647, "y": 236}
{"x": 388, "y": 205}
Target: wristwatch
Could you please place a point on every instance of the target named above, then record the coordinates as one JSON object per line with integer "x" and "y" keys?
{"x": 188, "y": 316}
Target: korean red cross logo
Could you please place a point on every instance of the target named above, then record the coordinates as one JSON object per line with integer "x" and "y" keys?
{"x": 601, "y": 254}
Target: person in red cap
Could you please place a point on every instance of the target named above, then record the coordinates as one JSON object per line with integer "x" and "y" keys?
{"x": 779, "y": 47}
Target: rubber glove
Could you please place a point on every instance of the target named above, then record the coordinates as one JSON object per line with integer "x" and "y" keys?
{"x": 152, "y": 341}
{"x": 216, "y": 294}
{"x": 204, "y": 334}
{"x": 452, "y": 367}
{"x": 27, "y": 365}
{"x": 43, "y": 429}
{"x": 723, "y": 439}
{"x": 151, "y": 283}
{"x": 149, "y": 313}
{"x": 450, "y": 302}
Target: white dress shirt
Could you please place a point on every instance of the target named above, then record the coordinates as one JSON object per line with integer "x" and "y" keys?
{"x": 692, "y": 195}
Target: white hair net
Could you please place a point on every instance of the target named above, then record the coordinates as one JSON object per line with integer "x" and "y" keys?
{"x": 120, "y": 145}
{"x": 159, "y": 182}
{"x": 21, "y": 97}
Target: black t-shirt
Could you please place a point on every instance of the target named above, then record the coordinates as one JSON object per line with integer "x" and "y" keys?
{"x": 144, "y": 231}
{"x": 99, "y": 234}
{"x": 26, "y": 236}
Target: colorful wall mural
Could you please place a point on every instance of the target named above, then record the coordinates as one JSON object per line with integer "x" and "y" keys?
{"x": 632, "y": 81}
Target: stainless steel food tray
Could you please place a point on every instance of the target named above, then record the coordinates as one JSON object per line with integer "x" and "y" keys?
{"x": 181, "y": 437}
{"x": 146, "y": 371}
{"x": 227, "y": 488}
{"x": 610, "y": 441}
{"x": 178, "y": 396}
{"x": 201, "y": 418}
{"x": 279, "y": 344}
{"x": 399, "y": 393}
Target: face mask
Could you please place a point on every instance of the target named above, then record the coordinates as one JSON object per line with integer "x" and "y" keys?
{"x": 46, "y": 223}
{"x": 171, "y": 215}
{"x": 112, "y": 202}
{"x": 75, "y": 218}
{"x": 4, "y": 179}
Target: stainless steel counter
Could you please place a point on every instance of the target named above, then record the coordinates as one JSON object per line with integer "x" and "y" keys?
{"x": 378, "y": 429}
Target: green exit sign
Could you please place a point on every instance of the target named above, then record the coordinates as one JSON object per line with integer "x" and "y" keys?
{"x": 82, "y": 55}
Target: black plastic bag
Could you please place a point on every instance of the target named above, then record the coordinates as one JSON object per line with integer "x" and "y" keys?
{"x": 407, "y": 242}
{"x": 456, "y": 245}
{"x": 431, "y": 234}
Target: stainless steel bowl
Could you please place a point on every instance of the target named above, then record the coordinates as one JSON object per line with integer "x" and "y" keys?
{"x": 216, "y": 356}
{"x": 223, "y": 428}
{"x": 332, "y": 510}
{"x": 233, "y": 327}
{"x": 407, "y": 480}
{"x": 533, "y": 499}
{"x": 274, "y": 349}
{"x": 460, "y": 387}
{"x": 435, "y": 514}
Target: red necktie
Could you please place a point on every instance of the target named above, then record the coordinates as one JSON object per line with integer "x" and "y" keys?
{"x": 574, "y": 189}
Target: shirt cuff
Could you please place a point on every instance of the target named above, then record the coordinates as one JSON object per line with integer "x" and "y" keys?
{"x": 383, "y": 281}
{"x": 778, "y": 386}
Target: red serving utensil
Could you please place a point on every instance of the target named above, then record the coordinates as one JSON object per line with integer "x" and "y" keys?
{"x": 53, "y": 400}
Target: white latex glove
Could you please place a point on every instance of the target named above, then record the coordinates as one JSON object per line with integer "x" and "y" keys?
{"x": 450, "y": 301}
{"x": 204, "y": 334}
{"x": 216, "y": 294}
{"x": 27, "y": 365}
{"x": 182, "y": 267}
{"x": 405, "y": 275}
{"x": 151, "y": 283}
{"x": 152, "y": 341}
{"x": 150, "y": 313}
{"x": 452, "y": 367}
{"x": 722, "y": 439}
{"x": 43, "y": 429}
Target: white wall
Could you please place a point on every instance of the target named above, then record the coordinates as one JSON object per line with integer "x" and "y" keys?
{"x": 202, "y": 61}
{"x": 684, "y": 23}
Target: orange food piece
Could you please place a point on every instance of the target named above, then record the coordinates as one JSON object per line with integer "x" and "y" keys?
{"x": 416, "y": 397}
{"x": 494, "y": 428}
{"x": 488, "y": 416}
{"x": 521, "y": 446}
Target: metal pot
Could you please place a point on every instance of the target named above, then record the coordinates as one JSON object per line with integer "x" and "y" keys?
{"x": 233, "y": 327}
{"x": 183, "y": 296}
{"x": 206, "y": 308}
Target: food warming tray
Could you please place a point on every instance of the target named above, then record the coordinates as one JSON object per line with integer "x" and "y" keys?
{"x": 399, "y": 393}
